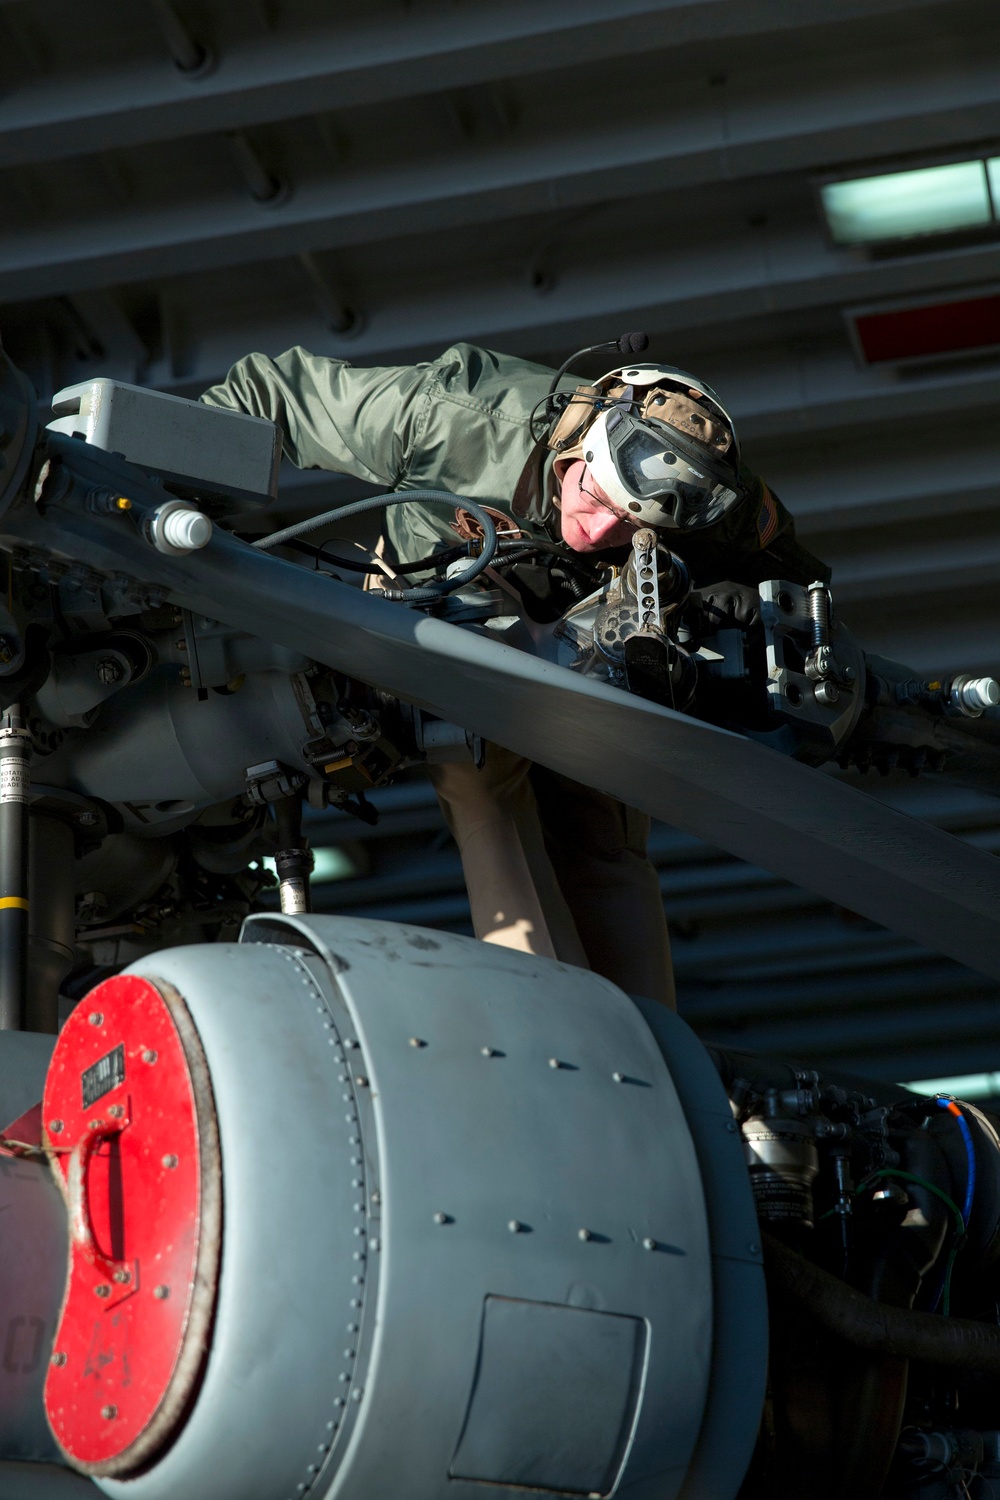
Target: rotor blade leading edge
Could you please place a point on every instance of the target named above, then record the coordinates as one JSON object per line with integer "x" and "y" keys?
{"x": 721, "y": 787}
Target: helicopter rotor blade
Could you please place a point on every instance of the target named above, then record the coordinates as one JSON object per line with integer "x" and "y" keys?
{"x": 728, "y": 790}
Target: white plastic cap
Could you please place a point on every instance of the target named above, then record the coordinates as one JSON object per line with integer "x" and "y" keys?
{"x": 187, "y": 530}
{"x": 980, "y": 693}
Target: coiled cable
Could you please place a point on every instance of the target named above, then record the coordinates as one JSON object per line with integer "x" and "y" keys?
{"x": 426, "y": 593}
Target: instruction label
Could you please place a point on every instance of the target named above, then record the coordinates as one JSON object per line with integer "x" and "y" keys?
{"x": 15, "y": 783}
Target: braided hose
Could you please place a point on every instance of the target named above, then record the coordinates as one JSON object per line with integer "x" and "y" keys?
{"x": 958, "y": 1343}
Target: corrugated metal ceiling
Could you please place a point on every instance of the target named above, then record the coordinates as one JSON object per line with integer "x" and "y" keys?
{"x": 377, "y": 182}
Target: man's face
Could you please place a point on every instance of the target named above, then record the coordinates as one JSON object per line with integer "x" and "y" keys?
{"x": 590, "y": 522}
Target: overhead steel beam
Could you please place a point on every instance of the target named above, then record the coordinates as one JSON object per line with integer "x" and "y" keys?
{"x": 760, "y": 806}
{"x": 737, "y": 279}
{"x": 756, "y": 131}
{"x": 361, "y": 60}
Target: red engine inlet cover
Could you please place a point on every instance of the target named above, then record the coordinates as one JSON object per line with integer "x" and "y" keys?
{"x": 128, "y": 1106}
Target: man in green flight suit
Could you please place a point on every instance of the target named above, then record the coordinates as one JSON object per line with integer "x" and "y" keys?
{"x": 551, "y": 866}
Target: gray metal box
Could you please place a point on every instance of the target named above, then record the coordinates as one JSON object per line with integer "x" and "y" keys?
{"x": 226, "y": 451}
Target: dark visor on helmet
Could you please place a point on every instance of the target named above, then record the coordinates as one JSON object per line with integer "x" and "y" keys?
{"x": 656, "y": 463}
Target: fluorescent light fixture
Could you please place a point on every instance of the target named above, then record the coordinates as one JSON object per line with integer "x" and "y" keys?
{"x": 993, "y": 172}
{"x": 965, "y": 1086}
{"x": 328, "y": 864}
{"x": 901, "y": 205}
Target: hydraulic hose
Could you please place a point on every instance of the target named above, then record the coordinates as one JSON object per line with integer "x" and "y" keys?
{"x": 958, "y": 1343}
{"x": 427, "y": 593}
{"x": 946, "y": 1102}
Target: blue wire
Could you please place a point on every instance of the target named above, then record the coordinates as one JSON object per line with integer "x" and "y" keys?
{"x": 970, "y": 1156}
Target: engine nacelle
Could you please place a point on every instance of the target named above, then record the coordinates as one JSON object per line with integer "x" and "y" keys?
{"x": 358, "y": 1210}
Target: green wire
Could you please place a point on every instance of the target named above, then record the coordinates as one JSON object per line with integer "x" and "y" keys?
{"x": 959, "y": 1239}
{"x": 921, "y": 1182}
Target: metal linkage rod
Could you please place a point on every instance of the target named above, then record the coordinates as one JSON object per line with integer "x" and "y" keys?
{"x": 293, "y": 858}
{"x": 14, "y": 818}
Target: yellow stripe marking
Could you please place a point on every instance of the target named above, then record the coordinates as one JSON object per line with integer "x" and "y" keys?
{"x": 17, "y": 901}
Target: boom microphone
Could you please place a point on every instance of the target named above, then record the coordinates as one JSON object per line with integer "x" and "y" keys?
{"x": 629, "y": 343}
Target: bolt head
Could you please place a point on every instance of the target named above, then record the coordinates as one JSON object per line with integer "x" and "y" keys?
{"x": 361, "y": 1081}
{"x": 95, "y": 1018}
{"x": 149, "y": 1055}
{"x": 169, "y": 1161}
{"x": 161, "y": 1293}
{"x": 515, "y": 1226}
{"x": 123, "y": 1277}
{"x": 553, "y": 1062}
{"x": 416, "y": 1041}
{"x": 58, "y": 1359}
{"x": 88, "y": 818}
{"x": 109, "y": 1412}
{"x": 109, "y": 671}
{"x": 618, "y": 1077}
{"x": 488, "y": 1051}
{"x": 55, "y": 1126}
{"x": 440, "y": 1218}
{"x": 583, "y": 1234}
{"x": 648, "y": 1244}
{"x": 103, "y": 1290}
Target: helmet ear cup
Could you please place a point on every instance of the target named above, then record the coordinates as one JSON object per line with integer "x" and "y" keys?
{"x": 567, "y": 435}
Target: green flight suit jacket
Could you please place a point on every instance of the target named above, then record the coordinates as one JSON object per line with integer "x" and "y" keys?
{"x": 463, "y": 423}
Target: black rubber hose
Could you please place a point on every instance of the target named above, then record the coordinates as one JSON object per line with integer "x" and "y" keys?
{"x": 430, "y": 592}
{"x": 958, "y": 1343}
{"x": 369, "y": 564}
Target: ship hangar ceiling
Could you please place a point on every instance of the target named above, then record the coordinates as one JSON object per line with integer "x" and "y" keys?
{"x": 181, "y": 183}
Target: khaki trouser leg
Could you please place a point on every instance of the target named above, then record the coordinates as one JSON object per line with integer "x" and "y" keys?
{"x": 555, "y": 868}
{"x": 597, "y": 847}
{"x": 513, "y": 892}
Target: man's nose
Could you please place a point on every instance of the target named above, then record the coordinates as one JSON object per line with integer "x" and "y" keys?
{"x": 600, "y": 522}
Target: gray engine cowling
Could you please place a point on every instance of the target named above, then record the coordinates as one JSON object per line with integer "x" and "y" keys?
{"x": 486, "y": 1227}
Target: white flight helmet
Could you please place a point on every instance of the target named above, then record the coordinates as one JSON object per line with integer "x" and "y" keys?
{"x": 662, "y": 447}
